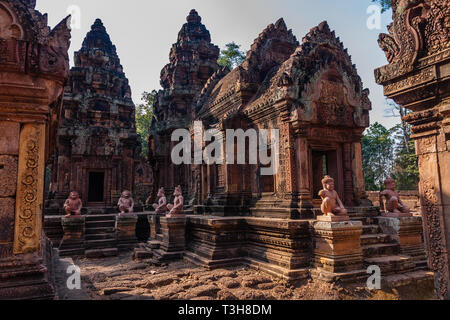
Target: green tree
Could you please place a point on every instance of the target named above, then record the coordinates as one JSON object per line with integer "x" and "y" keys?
{"x": 406, "y": 166}
{"x": 385, "y": 4}
{"x": 378, "y": 156}
{"x": 231, "y": 56}
{"x": 144, "y": 118}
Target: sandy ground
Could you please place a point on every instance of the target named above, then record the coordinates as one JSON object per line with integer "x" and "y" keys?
{"x": 121, "y": 278}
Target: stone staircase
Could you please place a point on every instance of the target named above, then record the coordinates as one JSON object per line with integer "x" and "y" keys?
{"x": 100, "y": 237}
{"x": 380, "y": 249}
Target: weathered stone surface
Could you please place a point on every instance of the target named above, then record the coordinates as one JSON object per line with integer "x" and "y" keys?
{"x": 337, "y": 249}
{"x": 73, "y": 239}
{"x": 126, "y": 231}
{"x": 7, "y": 206}
{"x": 407, "y": 232}
{"x": 8, "y": 175}
{"x": 9, "y": 138}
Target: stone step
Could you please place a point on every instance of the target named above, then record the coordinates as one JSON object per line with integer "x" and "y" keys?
{"x": 422, "y": 265}
{"x": 374, "y": 238}
{"x": 409, "y": 278}
{"x": 99, "y": 224}
{"x": 99, "y": 230}
{"x": 374, "y": 250}
{"x": 392, "y": 264}
{"x": 101, "y": 253}
{"x": 106, "y": 217}
{"x": 142, "y": 254}
{"x": 100, "y": 236}
{"x": 371, "y": 229}
{"x": 154, "y": 244}
{"x": 100, "y": 244}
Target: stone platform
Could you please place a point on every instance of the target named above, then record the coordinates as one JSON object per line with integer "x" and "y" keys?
{"x": 292, "y": 250}
{"x": 98, "y": 236}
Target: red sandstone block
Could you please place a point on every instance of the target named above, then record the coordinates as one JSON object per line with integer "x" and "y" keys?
{"x": 7, "y": 216}
{"x": 8, "y": 176}
{"x": 9, "y": 138}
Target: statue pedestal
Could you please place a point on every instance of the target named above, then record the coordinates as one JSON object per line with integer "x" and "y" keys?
{"x": 155, "y": 224}
{"x": 337, "y": 250}
{"x": 407, "y": 231}
{"x": 126, "y": 231}
{"x": 174, "y": 238}
{"x": 72, "y": 243}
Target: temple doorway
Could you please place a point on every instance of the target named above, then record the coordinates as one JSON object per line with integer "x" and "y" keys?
{"x": 267, "y": 184}
{"x": 323, "y": 163}
{"x": 96, "y": 187}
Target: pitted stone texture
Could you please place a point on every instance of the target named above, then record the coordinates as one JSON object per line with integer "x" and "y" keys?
{"x": 7, "y": 219}
{"x": 8, "y": 176}
{"x": 9, "y": 138}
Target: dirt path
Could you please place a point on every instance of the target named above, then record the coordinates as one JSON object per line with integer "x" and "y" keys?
{"x": 121, "y": 278}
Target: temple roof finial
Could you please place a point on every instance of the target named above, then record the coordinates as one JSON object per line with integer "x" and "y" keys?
{"x": 193, "y": 17}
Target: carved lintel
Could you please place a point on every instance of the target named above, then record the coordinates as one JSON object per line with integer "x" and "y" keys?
{"x": 416, "y": 79}
{"x": 30, "y": 189}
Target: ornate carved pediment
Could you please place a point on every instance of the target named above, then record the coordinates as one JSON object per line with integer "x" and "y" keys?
{"x": 9, "y": 26}
{"x": 421, "y": 28}
{"x": 48, "y": 48}
{"x": 322, "y": 78}
{"x": 273, "y": 46}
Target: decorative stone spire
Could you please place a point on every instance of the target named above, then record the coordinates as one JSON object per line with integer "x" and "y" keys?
{"x": 98, "y": 80}
{"x": 99, "y": 54}
{"x": 193, "y": 59}
{"x": 277, "y": 40}
{"x": 194, "y": 30}
{"x": 99, "y": 39}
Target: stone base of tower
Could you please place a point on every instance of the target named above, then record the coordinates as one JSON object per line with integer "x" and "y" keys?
{"x": 215, "y": 242}
{"x": 28, "y": 277}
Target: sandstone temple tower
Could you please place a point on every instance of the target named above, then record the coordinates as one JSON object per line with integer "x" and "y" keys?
{"x": 34, "y": 67}
{"x": 193, "y": 59}
{"x": 97, "y": 144}
{"x": 311, "y": 93}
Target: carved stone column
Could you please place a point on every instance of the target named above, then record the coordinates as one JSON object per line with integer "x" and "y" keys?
{"x": 304, "y": 184}
{"x": 349, "y": 195}
{"x": 33, "y": 70}
{"x": 418, "y": 78}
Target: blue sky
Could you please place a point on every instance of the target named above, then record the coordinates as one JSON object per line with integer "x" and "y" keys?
{"x": 144, "y": 31}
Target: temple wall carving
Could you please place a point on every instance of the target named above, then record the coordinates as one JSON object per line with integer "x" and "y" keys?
{"x": 418, "y": 78}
